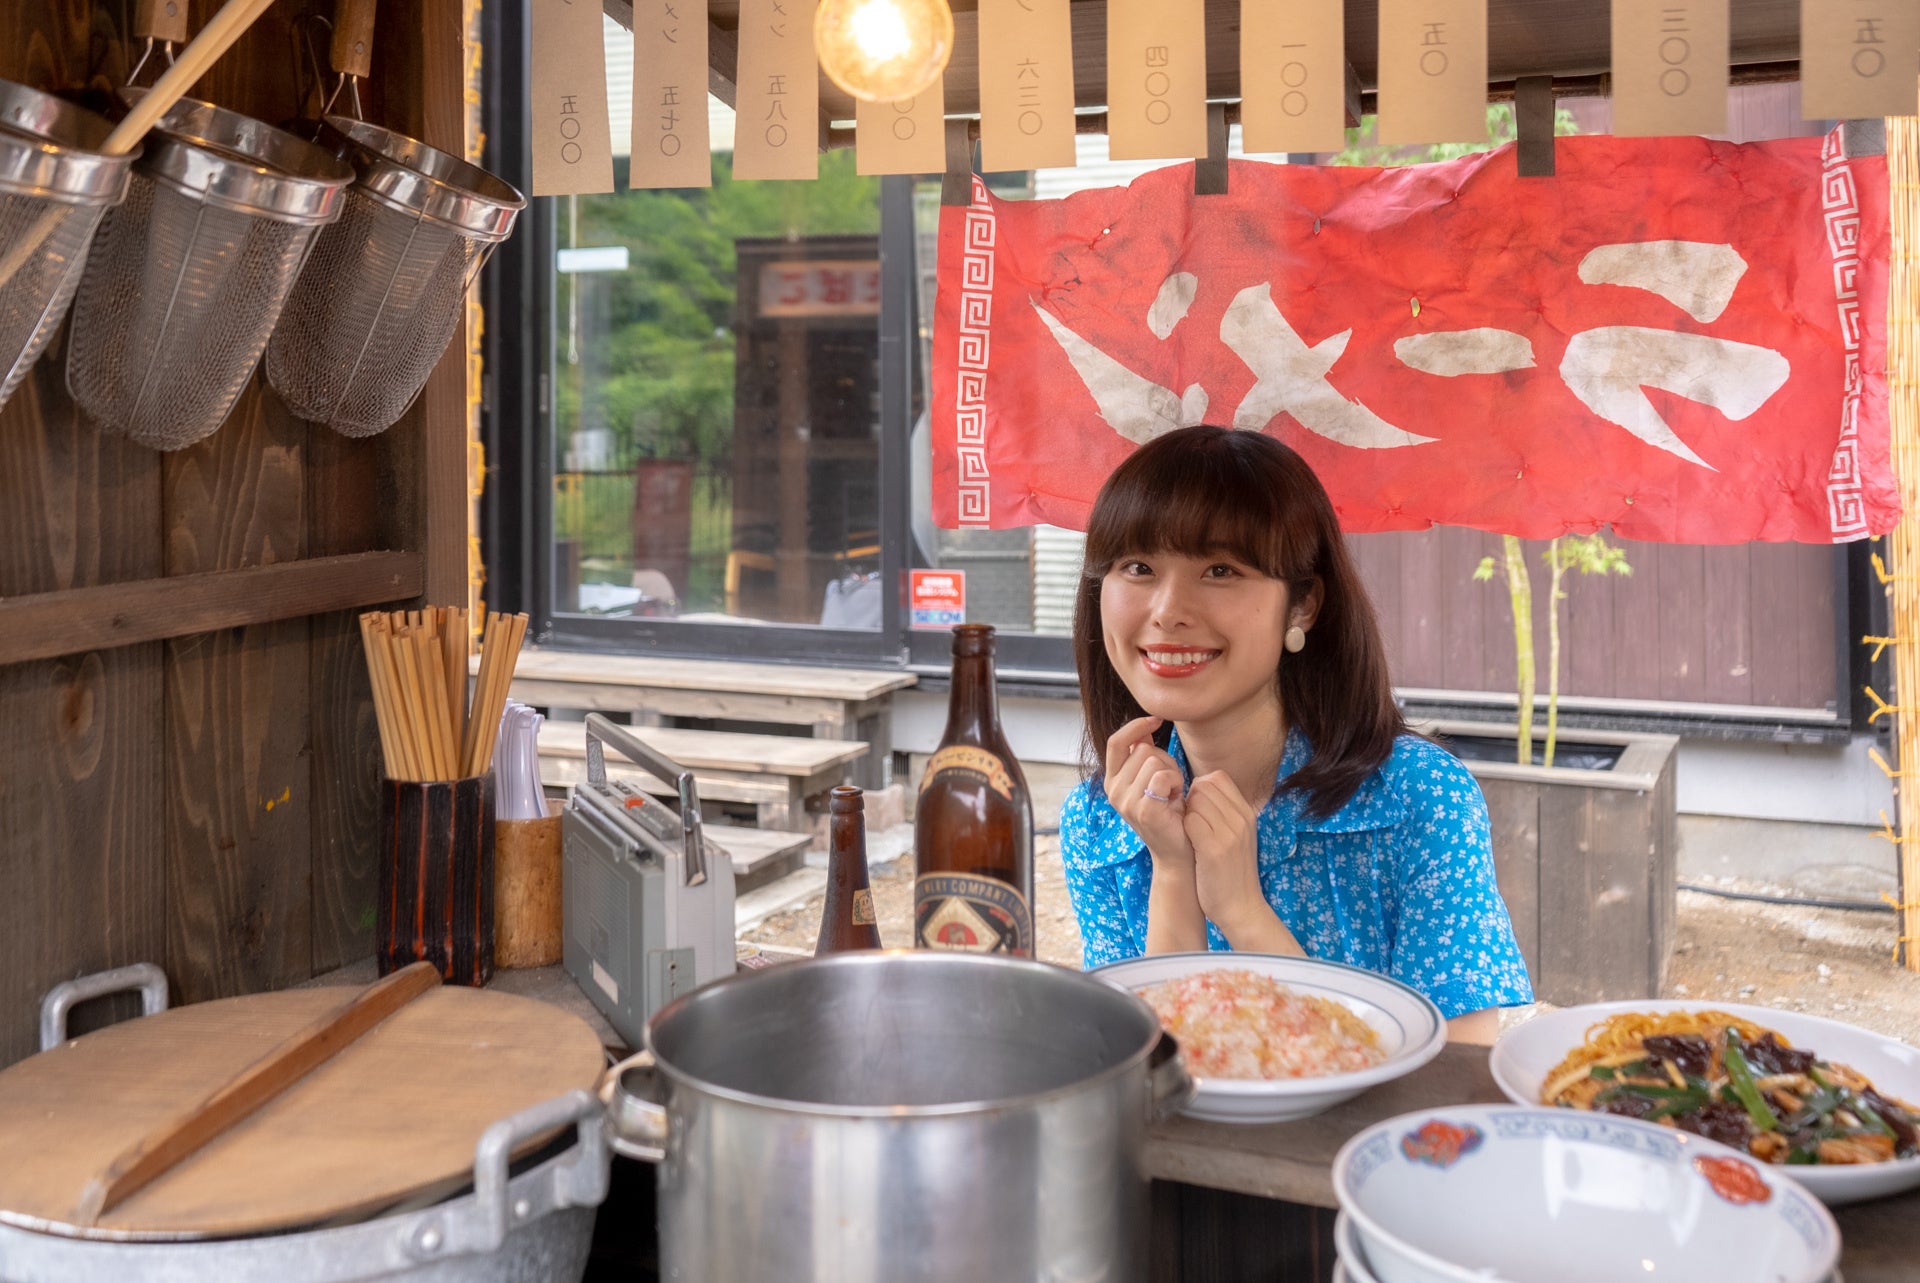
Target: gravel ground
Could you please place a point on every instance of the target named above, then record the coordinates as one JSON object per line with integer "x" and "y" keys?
{"x": 1824, "y": 962}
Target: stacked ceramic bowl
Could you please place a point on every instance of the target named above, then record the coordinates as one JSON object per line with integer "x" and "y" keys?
{"x": 1509, "y": 1194}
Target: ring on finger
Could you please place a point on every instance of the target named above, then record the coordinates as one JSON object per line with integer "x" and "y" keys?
{"x": 1158, "y": 797}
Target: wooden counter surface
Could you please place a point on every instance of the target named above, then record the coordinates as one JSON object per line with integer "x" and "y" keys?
{"x": 1880, "y": 1240}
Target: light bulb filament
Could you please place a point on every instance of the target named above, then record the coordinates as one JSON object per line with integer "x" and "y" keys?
{"x": 880, "y": 30}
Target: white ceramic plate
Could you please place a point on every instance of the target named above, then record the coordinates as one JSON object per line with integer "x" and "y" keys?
{"x": 1410, "y": 1028}
{"x": 1477, "y": 1193}
{"x": 1527, "y": 1053}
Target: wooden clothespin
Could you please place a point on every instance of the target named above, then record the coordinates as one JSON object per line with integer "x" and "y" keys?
{"x": 1533, "y": 118}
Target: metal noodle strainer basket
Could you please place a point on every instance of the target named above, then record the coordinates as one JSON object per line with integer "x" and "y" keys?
{"x": 52, "y": 180}
{"x": 192, "y": 272}
{"x": 385, "y": 289}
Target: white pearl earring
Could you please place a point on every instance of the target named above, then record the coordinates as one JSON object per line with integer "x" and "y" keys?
{"x": 1296, "y": 640}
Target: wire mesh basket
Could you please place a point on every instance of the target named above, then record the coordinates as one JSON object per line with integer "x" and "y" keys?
{"x": 54, "y": 188}
{"x": 190, "y": 274}
{"x": 384, "y": 290}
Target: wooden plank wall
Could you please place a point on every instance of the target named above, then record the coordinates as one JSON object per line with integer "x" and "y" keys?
{"x": 1738, "y": 624}
{"x": 207, "y": 802}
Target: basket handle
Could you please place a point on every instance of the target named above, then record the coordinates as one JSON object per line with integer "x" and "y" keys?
{"x": 215, "y": 39}
{"x": 352, "y": 50}
{"x": 162, "y": 20}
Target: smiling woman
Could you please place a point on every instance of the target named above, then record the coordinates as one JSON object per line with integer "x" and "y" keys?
{"x": 1258, "y": 789}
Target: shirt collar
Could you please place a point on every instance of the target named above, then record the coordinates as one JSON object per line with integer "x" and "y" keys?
{"x": 1372, "y": 806}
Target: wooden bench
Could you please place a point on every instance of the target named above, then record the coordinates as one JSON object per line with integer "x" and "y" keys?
{"x": 775, "y": 773}
{"x": 759, "y": 856}
{"x": 840, "y": 704}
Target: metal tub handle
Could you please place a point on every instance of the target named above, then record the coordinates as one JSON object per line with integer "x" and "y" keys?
{"x": 578, "y": 1181}
{"x": 1169, "y": 1087}
{"x": 631, "y": 1092}
{"x": 64, "y": 997}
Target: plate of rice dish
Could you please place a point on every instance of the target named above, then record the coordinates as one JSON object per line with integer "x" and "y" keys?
{"x": 1268, "y": 1038}
{"x": 1828, "y": 1103}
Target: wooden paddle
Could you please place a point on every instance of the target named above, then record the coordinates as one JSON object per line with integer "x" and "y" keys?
{"x": 174, "y": 1140}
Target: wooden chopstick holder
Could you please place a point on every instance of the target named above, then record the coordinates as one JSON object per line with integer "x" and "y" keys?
{"x": 178, "y": 1138}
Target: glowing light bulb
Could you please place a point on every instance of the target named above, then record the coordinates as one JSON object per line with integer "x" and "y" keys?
{"x": 883, "y": 50}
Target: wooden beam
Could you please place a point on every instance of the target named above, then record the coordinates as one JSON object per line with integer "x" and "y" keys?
{"x": 46, "y": 625}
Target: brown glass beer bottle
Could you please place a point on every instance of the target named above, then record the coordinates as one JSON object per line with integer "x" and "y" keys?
{"x": 848, "y": 921}
{"x": 973, "y": 821}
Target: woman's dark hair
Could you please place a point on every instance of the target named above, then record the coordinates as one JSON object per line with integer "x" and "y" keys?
{"x": 1204, "y": 491}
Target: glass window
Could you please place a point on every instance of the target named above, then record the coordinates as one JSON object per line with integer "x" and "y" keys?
{"x": 716, "y": 396}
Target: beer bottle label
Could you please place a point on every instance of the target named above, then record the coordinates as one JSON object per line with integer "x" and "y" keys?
{"x": 863, "y": 909}
{"x": 970, "y": 913}
{"x": 973, "y": 761}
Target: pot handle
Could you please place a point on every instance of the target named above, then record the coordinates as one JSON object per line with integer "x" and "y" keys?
{"x": 1169, "y": 1087}
{"x": 64, "y": 997}
{"x": 580, "y": 1180}
{"x": 631, "y": 1090}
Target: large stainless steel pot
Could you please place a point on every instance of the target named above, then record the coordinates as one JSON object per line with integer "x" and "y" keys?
{"x": 534, "y": 1227}
{"x": 900, "y": 1117}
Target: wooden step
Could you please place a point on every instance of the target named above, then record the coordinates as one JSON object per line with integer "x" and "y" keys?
{"x": 759, "y": 856}
{"x": 775, "y": 773}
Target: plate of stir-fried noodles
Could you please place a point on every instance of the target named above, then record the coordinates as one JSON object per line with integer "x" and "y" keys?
{"x": 1830, "y": 1103}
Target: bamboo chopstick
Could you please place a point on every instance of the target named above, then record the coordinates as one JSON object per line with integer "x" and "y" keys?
{"x": 417, "y": 661}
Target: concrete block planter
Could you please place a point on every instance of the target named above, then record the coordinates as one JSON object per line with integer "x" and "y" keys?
{"x": 1584, "y": 854}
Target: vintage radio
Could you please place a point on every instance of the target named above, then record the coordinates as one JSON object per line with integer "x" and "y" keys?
{"x": 648, "y": 901}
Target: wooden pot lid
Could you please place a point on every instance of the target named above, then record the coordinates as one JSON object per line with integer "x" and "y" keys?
{"x": 391, "y": 1119}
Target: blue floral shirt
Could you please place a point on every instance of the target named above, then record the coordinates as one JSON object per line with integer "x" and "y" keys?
{"x": 1399, "y": 880}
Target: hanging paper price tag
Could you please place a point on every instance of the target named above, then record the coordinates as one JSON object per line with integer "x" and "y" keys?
{"x": 1293, "y": 76}
{"x": 1433, "y": 71}
{"x": 1859, "y": 58}
{"x": 776, "y": 133}
{"x": 1669, "y": 67}
{"x": 670, "y": 144}
{"x": 905, "y": 137}
{"x": 1026, "y": 84}
{"x": 1156, "y": 79}
{"x": 572, "y": 141}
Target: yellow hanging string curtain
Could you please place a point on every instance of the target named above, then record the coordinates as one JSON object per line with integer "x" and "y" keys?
{"x": 1903, "y": 388}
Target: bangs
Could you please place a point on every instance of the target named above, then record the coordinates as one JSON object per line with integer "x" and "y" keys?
{"x": 1215, "y": 493}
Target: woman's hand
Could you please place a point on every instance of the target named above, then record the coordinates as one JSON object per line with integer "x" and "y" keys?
{"x": 1134, "y": 765}
{"x": 1222, "y": 829}
{"x": 1174, "y": 921}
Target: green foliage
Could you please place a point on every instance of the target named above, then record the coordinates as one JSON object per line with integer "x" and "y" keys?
{"x": 1586, "y": 554}
{"x": 1363, "y": 147}
{"x": 1484, "y": 571}
{"x": 668, "y": 353}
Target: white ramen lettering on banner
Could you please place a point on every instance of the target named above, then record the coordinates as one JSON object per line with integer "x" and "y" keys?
{"x": 1607, "y": 367}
